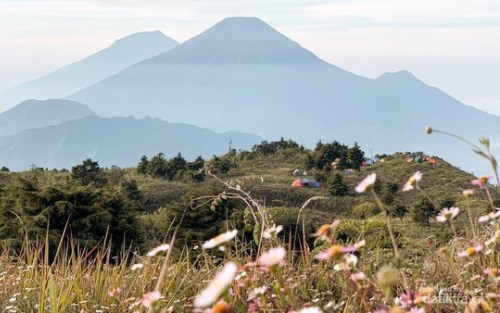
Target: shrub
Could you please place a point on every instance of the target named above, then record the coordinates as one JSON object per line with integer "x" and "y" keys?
{"x": 422, "y": 211}
{"x": 365, "y": 210}
{"x": 336, "y": 186}
{"x": 374, "y": 231}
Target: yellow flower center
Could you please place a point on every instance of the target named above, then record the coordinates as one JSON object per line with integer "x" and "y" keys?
{"x": 221, "y": 307}
{"x": 483, "y": 180}
{"x": 324, "y": 230}
{"x": 335, "y": 252}
{"x": 471, "y": 251}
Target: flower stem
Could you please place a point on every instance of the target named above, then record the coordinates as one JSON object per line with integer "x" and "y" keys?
{"x": 389, "y": 226}
{"x": 472, "y": 225}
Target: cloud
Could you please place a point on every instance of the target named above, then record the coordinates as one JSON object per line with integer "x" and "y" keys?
{"x": 369, "y": 37}
{"x": 414, "y": 13}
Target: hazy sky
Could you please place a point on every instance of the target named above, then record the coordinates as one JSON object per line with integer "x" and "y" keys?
{"x": 451, "y": 44}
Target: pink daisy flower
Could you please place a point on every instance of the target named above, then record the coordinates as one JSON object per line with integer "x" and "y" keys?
{"x": 366, "y": 184}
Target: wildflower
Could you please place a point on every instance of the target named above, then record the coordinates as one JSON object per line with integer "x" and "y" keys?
{"x": 428, "y": 130}
{"x": 241, "y": 275}
{"x": 481, "y": 181}
{"x": 254, "y": 306}
{"x": 222, "y": 238}
{"x": 494, "y": 273}
{"x": 412, "y": 181}
{"x": 157, "y": 250}
{"x": 220, "y": 307}
{"x": 256, "y": 292}
{"x": 489, "y": 217}
{"x": 470, "y": 251}
{"x": 468, "y": 193}
{"x": 358, "y": 276}
{"x": 406, "y": 298}
{"x": 397, "y": 309}
{"x": 335, "y": 252}
{"x": 272, "y": 232}
{"x": 447, "y": 214}
{"x": 114, "y": 292}
{"x": 411, "y": 299}
{"x": 273, "y": 257}
{"x": 217, "y": 286}
{"x": 148, "y": 299}
{"x": 137, "y": 266}
{"x": 367, "y": 183}
{"x": 347, "y": 262}
{"x": 492, "y": 239}
{"x": 325, "y": 231}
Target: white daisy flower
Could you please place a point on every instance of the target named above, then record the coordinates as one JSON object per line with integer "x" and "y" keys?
{"x": 217, "y": 286}
{"x": 162, "y": 248}
{"x": 367, "y": 183}
{"x": 222, "y": 238}
{"x": 447, "y": 214}
{"x": 412, "y": 181}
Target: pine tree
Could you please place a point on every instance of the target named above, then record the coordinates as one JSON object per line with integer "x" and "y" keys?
{"x": 157, "y": 166}
{"x": 422, "y": 211}
{"x": 88, "y": 173}
{"x": 356, "y": 157}
{"x": 142, "y": 167}
{"x": 336, "y": 185}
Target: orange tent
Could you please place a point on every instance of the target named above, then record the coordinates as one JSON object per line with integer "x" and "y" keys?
{"x": 305, "y": 182}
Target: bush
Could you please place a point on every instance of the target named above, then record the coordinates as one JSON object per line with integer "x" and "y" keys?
{"x": 372, "y": 230}
{"x": 336, "y": 186}
{"x": 422, "y": 211}
{"x": 365, "y": 210}
{"x": 308, "y": 223}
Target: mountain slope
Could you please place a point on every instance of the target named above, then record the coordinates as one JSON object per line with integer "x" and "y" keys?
{"x": 114, "y": 141}
{"x": 122, "y": 53}
{"x": 243, "y": 74}
{"x": 34, "y": 114}
{"x": 239, "y": 67}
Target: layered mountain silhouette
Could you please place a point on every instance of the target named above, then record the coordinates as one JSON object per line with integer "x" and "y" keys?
{"x": 114, "y": 141}
{"x": 243, "y": 74}
{"x": 35, "y": 114}
{"x": 69, "y": 79}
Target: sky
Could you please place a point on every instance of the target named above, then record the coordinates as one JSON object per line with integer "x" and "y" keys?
{"x": 451, "y": 44}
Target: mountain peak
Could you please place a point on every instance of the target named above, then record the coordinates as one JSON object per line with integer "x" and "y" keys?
{"x": 147, "y": 37}
{"x": 402, "y": 74}
{"x": 242, "y": 21}
{"x": 121, "y": 54}
{"x": 35, "y": 113}
{"x": 239, "y": 40}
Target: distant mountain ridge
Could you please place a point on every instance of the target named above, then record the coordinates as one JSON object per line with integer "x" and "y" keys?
{"x": 122, "y": 53}
{"x": 241, "y": 73}
{"x": 35, "y": 114}
{"x": 117, "y": 141}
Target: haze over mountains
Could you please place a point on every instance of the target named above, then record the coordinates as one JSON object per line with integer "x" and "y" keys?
{"x": 117, "y": 141}
{"x": 35, "y": 114}
{"x": 243, "y": 74}
{"x": 122, "y": 53}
